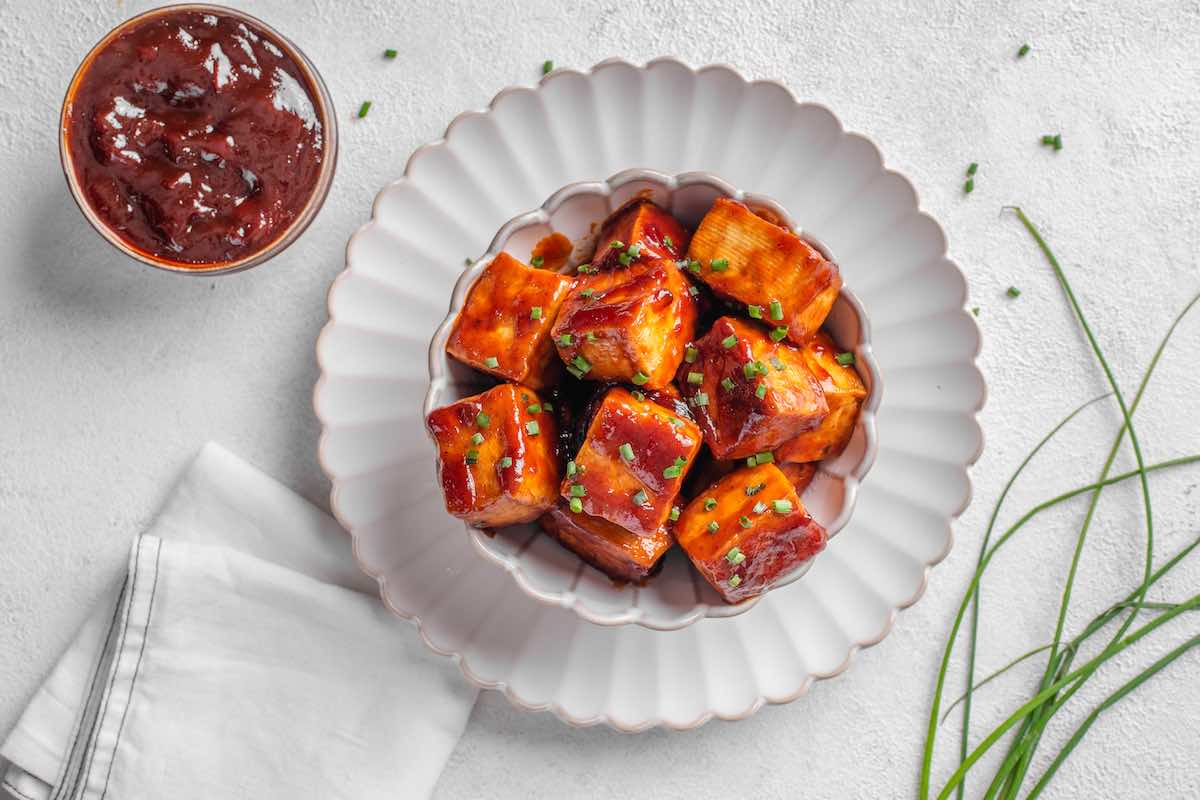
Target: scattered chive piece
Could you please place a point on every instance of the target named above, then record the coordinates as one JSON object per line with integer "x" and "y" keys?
{"x": 1013, "y": 292}
{"x": 701, "y": 399}
{"x": 477, "y": 438}
{"x": 755, "y": 312}
{"x": 710, "y": 503}
{"x": 578, "y": 490}
{"x": 468, "y": 262}
{"x": 672, "y": 471}
{"x": 576, "y": 505}
{"x": 694, "y": 266}
{"x": 491, "y": 362}
{"x": 535, "y": 312}
{"x": 574, "y": 371}
{"x": 583, "y": 269}
{"x": 638, "y": 396}
{"x": 591, "y": 337}
{"x": 537, "y": 261}
{"x": 969, "y": 186}
{"x": 729, "y": 341}
{"x": 547, "y": 67}
{"x": 749, "y": 370}
{"x": 483, "y": 420}
{"x": 390, "y": 53}
{"x": 755, "y": 489}
{"x": 617, "y": 244}
{"x": 695, "y": 378}
{"x": 668, "y": 242}
{"x": 626, "y": 451}
{"x": 760, "y": 507}
{"x": 761, "y": 391}
{"x": 727, "y": 384}
{"x": 639, "y": 378}
{"x": 677, "y": 422}
{"x": 972, "y": 168}
{"x": 713, "y": 527}
{"x": 505, "y": 462}
{"x": 975, "y": 311}
{"x": 1058, "y": 141}
{"x": 735, "y": 581}
{"x": 566, "y": 340}
{"x": 782, "y": 506}
{"x": 1048, "y": 139}
{"x": 625, "y": 259}
{"x": 674, "y": 513}
{"x": 534, "y": 408}
{"x": 680, "y": 462}
{"x": 690, "y": 355}
{"x": 777, "y": 364}
{"x": 776, "y": 310}
{"x": 571, "y": 468}
{"x": 532, "y": 428}
{"x": 1023, "y": 51}
{"x": 693, "y": 291}
{"x": 765, "y": 457}
{"x": 582, "y": 364}
{"x": 778, "y": 334}
{"x": 845, "y": 359}
{"x": 719, "y": 264}
{"x": 634, "y": 250}
{"x": 744, "y": 521}
{"x": 586, "y": 293}
{"x": 735, "y": 556}
{"x": 364, "y": 108}
{"x": 472, "y": 456}
{"x": 639, "y": 499}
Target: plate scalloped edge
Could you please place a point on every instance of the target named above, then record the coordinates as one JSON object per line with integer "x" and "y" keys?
{"x": 553, "y": 707}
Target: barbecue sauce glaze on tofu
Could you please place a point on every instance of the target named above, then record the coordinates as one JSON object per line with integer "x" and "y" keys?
{"x": 618, "y": 553}
{"x": 844, "y": 393}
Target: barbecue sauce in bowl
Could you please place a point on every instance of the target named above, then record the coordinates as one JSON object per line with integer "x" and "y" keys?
{"x": 196, "y": 137}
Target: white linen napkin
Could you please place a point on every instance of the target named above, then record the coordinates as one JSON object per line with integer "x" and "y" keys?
{"x": 243, "y": 655}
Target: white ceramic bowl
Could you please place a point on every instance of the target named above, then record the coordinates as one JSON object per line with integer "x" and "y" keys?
{"x": 677, "y": 596}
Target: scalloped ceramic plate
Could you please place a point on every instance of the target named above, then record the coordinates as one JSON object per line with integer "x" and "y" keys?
{"x": 677, "y": 596}
{"x": 401, "y": 269}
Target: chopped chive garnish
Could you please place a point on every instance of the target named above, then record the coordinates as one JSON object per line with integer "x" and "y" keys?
{"x": 761, "y": 391}
{"x": 713, "y": 527}
{"x": 625, "y": 259}
{"x": 578, "y": 490}
{"x": 760, "y": 507}
{"x": 701, "y": 399}
{"x": 668, "y": 242}
{"x": 710, "y": 503}
{"x": 639, "y": 378}
{"x": 468, "y": 262}
{"x": 491, "y": 362}
{"x": 547, "y": 67}
{"x": 845, "y": 359}
{"x": 626, "y": 451}
{"x": 638, "y": 396}
{"x": 744, "y": 521}
{"x": 1048, "y": 139}
{"x": 972, "y": 168}
{"x": 755, "y": 312}
{"x": 727, "y": 384}
{"x": 534, "y": 408}
{"x": 634, "y": 250}
{"x": 1058, "y": 141}
{"x": 782, "y": 506}
{"x": 566, "y": 340}
{"x": 693, "y": 291}
{"x": 672, "y": 472}
{"x": 591, "y": 337}
{"x": 586, "y": 293}
{"x": 777, "y": 364}
{"x": 719, "y": 264}
{"x": 364, "y": 108}
{"x": 680, "y": 461}
{"x": 674, "y": 513}
{"x": 582, "y": 364}
{"x": 505, "y": 462}
{"x": 532, "y": 427}
{"x": 583, "y": 269}
{"x": 390, "y": 53}
{"x": 690, "y": 355}
{"x": 477, "y": 438}
{"x": 576, "y": 505}
{"x": 755, "y": 489}
{"x": 571, "y": 468}
{"x": 735, "y": 556}
{"x": 639, "y": 498}
{"x": 776, "y": 310}
{"x": 778, "y": 334}
{"x": 617, "y": 244}
{"x": 1023, "y": 51}
{"x": 574, "y": 371}
{"x": 677, "y": 422}
{"x": 537, "y": 261}
{"x": 695, "y": 378}
{"x": 472, "y": 456}
{"x": 765, "y": 457}
{"x": 729, "y": 341}
{"x": 969, "y": 186}
{"x": 483, "y": 420}
{"x": 694, "y": 266}
{"x": 749, "y": 370}
{"x": 1013, "y": 292}
{"x": 735, "y": 581}
{"x": 975, "y": 311}
{"x": 535, "y": 312}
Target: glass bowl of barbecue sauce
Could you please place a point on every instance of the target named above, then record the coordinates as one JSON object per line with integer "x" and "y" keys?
{"x": 197, "y": 139}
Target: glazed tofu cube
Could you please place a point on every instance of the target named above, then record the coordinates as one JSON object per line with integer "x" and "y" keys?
{"x": 496, "y": 456}
{"x": 748, "y": 259}
{"x": 844, "y": 392}
{"x": 633, "y": 460}
{"x": 799, "y": 475}
{"x": 748, "y": 393}
{"x": 619, "y": 554}
{"x": 747, "y": 530}
{"x": 627, "y": 325}
{"x": 504, "y": 326}
{"x": 638, "y": 231}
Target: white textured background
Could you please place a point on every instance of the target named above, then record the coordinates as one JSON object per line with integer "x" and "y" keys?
{"x": 112, "y": 375}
